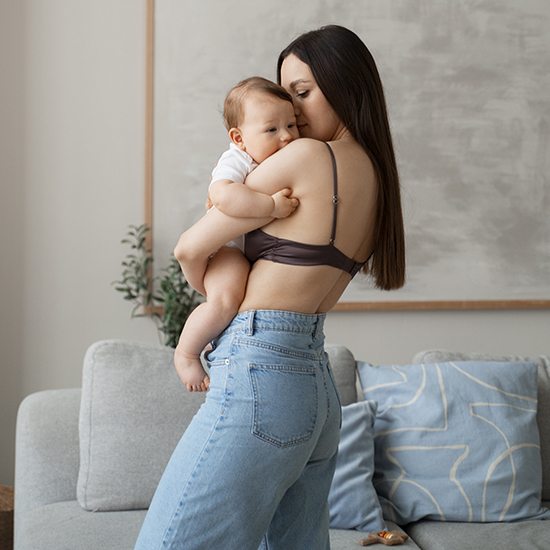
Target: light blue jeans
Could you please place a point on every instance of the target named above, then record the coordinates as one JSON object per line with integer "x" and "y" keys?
{"x": 255, "y": 465}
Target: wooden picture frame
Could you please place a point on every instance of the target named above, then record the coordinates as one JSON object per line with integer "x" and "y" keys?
{"x": 469, "y": 127}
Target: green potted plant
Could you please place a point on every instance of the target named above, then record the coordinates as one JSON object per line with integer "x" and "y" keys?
{"x": 167, "y": 299}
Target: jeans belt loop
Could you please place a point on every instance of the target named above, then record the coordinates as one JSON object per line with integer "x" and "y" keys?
{"x": 316, "y": 330}
{"x": 250, "y": 325}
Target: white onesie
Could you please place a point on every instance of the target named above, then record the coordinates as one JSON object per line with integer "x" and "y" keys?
{"x": 233, "y": 165}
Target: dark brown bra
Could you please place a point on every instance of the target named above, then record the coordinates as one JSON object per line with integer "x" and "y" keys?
{"x": 259, "y": 245}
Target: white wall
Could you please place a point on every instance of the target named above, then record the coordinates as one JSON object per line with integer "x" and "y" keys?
{"x": 383, "y": 338}
{"x": 11, "y": 226}
{"x": 71, "y": 168}
{"x": 71, "y": 163}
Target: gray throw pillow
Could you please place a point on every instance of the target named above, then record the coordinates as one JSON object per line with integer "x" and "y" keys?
{"x": 342, "y": 363}
{"x": 133, "y": 412}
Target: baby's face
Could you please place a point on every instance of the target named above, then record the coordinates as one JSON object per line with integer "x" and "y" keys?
{"x": 269, "y": 125}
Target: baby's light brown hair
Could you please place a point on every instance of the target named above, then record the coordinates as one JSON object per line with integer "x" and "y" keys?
{"x": 233, "y": 111}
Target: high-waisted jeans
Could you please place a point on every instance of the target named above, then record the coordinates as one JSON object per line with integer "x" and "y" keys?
{"x": 255, "y": 465}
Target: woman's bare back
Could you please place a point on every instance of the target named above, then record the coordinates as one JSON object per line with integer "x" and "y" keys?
{"x": 307, "y": 164}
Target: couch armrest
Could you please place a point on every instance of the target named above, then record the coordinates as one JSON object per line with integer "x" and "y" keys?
{"x": 47, "y": 449}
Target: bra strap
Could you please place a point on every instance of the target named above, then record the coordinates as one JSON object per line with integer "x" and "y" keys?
{"x": 335, "y": 196}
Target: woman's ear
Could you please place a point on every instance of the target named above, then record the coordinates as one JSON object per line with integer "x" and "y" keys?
{"x": 236, "y": 137}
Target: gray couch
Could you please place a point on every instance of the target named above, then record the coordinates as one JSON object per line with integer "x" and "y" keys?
{"x": 88, "y": 460}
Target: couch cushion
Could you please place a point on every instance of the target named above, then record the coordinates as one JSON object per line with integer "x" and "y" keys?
{"x": 543, "y": 395}
{"x": 349, "y": 540}
{"x": 456, "y": 441}
{"x": 352, "y": 500}
{"x": 527, "y": 535}
{"x": 66, "y": 526}
{"x": 133, "y": 412}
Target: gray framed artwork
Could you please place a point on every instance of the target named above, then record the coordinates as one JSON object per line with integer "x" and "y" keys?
{"x": 468, "y": 91}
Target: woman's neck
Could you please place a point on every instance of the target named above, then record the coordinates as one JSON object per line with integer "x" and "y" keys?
{"x": 341, "y": 133}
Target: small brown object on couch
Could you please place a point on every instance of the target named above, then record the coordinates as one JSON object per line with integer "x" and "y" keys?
{"x": 388, "y": 538}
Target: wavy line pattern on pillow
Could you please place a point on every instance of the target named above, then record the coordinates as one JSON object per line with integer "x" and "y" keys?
{"x": 456, "y": 441}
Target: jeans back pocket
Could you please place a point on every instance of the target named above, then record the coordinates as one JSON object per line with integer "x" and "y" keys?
{"x": 285, "y": 403}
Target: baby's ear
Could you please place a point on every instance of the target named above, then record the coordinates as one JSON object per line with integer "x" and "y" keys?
{"x": 236, "y": 137}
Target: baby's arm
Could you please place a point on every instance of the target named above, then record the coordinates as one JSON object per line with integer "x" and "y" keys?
{"x": 214, "y": 229}
{"x": 239, "y": 201}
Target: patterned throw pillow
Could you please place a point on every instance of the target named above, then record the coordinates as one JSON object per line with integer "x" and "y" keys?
{"x": 353, "y": 501}
{"x": 456, "y": 441}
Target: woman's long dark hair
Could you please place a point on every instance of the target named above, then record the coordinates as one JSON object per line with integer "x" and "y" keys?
{"x": 347, "y": 75}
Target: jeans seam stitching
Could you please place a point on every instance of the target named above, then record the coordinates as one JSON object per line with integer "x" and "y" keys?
{"x": 170, "y": 529}
{"x": 255, "y": 428}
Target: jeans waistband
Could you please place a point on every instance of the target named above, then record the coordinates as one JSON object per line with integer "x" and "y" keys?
{"x": 272, "y": 319}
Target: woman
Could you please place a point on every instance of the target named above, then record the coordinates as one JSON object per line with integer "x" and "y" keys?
{"x": 256, "y": 463}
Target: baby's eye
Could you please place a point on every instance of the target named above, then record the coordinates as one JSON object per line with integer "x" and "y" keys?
{"x": 272, "y": 130}
{"x": 291, "y": 125}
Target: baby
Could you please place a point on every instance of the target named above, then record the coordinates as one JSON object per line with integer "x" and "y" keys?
{"x": 259, "y": 117}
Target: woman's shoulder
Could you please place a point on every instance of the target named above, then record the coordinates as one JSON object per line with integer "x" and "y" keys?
{"x": 294, "y": 157}
{"x": 300, "y": 154}
{"x": 305, "y": 146}
{"x": 302, "y": 147}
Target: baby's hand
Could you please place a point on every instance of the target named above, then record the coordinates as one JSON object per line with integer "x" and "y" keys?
{"x": 283, "y": 204}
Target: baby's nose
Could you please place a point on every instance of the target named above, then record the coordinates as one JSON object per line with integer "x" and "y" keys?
{"x": 286, "y": 136}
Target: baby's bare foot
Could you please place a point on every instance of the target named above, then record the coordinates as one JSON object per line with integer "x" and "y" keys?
{"x": 191, "y": 372}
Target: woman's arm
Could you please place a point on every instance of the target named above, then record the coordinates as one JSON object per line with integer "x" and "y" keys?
{"x": 211, "y": 232}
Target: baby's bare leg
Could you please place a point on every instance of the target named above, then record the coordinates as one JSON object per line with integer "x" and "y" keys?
{"x": 225, "y": 283}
